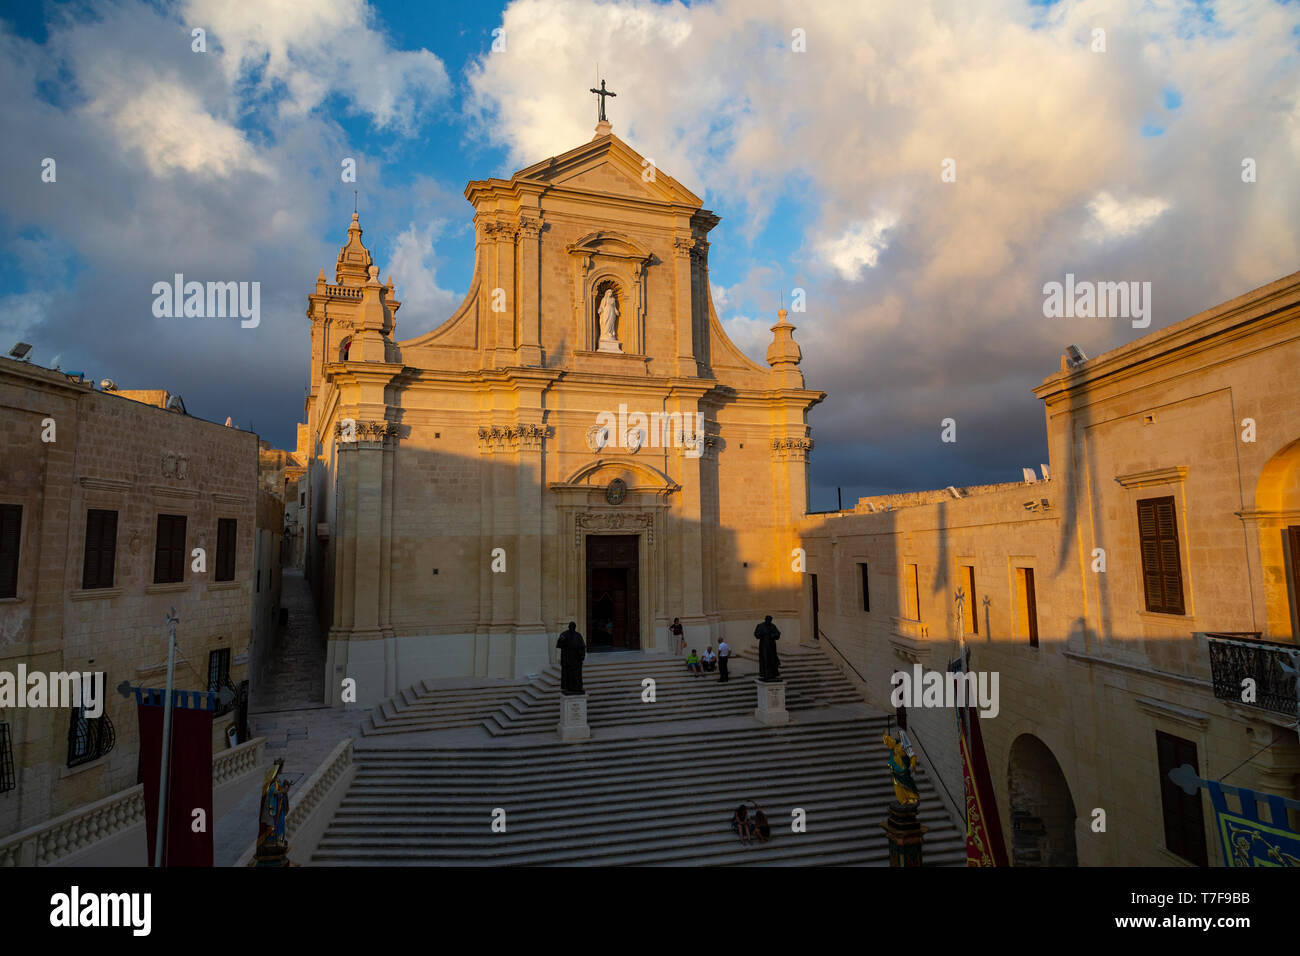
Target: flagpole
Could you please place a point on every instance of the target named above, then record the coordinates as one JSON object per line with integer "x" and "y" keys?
{"x": 166, "y": 738}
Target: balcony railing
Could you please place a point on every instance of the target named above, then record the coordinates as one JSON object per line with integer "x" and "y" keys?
{"x": 1235, "y": 657}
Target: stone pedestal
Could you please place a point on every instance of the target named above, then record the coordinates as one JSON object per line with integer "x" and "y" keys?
{"x": 771, "y": 702}
{"x": 906, "y": 835}
{"x": 573, "y": 718}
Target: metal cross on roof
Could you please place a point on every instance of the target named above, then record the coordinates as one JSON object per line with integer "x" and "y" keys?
{"x": 602, "y": 93}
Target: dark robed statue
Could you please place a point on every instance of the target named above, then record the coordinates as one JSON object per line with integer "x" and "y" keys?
{"x": 572, "y": 651}
{"x": 769, "y": 665}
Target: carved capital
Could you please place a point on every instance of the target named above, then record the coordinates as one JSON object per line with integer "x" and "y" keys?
{"x": 791, "y": 449}
{"x": 351, "y": 430}
{"x": 518, "y": 437}
{"x": 529, "y": 227}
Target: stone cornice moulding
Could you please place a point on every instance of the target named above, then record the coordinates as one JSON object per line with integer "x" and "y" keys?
{"x": 1165, "y": 711}
{"x": 1157, "y": 476}
{"x": 104, "y": 484}
{"x": 224, "y": 499}
{"x": 163, "y": 491}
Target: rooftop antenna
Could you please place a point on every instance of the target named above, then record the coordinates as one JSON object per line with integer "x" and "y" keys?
{"x": 354, "y": 202}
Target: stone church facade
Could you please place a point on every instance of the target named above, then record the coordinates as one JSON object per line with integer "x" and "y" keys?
{"x": 540, "y": 457}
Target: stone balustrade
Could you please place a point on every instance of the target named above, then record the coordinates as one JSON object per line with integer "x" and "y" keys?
{"x": 47, "y": 843}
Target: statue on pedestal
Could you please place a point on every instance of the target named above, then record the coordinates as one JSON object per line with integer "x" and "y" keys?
{"x": 272, "y": 838}
{"x": 608, "y": 310}
{"x": 769, "y": 665}
{"x": 572, "y": 652}
{"x": 901, "y": 765}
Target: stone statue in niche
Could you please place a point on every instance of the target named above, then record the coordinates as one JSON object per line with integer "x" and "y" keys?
{"x": 608, "y": 311}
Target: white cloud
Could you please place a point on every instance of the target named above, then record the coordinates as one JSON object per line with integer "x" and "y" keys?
{"x": 315, "y": 47}
{"x": 424, "y": 303}
{"x": 1113, "y": 219}
{"x": 859, "y": 247}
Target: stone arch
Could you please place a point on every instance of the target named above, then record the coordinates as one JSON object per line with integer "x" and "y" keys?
{"x": 609, "y": 280}
{"x": 344, "y": 348}
{"x": 1042, "y": 810}
{"x": 1277, "y": 512}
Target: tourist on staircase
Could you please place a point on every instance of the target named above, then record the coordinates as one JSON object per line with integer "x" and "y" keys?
{"x": 693, "y": 663}
{"x": 679, "y": 640}
{"x": 724, "y": 651}
{"x": 709, "y": 659}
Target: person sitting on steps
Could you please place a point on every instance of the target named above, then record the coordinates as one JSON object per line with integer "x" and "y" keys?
{"x": 709, "y": 659}
{"x": 693, "y": 662}
{"x": 740, "y": 824}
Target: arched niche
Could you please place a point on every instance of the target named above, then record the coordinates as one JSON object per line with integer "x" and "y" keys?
{"x": 605, "y": 260}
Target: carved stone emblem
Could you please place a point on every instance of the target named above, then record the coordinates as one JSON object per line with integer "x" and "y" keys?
{"x": 616, "y": 491}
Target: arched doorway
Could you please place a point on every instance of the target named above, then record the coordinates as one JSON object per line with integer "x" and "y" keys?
{"x": 1042, "y": 811}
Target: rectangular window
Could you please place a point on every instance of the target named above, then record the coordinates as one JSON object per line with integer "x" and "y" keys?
{"x": 11, "y": 524}
{"x": 1026, "y": 605}
{"x": 101, "y": 549}
{"x": 970, "y": 611}
{"x": 169, "y": 550}
{"x": 866, "y": 589}
{"x": 1184, "y": 822}
{"x": 89, "y": 738}
{"x": 219, "y": 676}
{"x": 911, "y": 593}
{"x": 1162, "y": 571}
{"x": 226, "y": 536}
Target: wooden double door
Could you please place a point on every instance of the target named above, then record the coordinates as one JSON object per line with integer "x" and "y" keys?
{"x": 613, "y": 605}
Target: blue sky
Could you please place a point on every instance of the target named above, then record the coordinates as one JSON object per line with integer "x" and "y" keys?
{"x": 924, "y": 297}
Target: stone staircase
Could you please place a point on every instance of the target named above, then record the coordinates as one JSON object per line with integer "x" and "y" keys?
{"x": 667, "y": 799}
{"x": 657, "y": 784}
{"x": 614, "y": 696}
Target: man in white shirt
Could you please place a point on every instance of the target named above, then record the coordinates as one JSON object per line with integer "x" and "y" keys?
{"x": 709, "y": 659}
{"x": 723, "y": 653}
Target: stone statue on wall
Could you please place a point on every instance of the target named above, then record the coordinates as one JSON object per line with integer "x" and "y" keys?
{"x": 608, "y": 310}
{"x": 902, "y": 765}
{"x": 769, "y": 665}
{"x": 572, "y": 652}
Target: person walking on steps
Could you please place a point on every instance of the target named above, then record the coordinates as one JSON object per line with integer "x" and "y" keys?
{"x": 724, "y": 652}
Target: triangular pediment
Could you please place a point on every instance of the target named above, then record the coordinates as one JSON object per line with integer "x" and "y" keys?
{"x": 608, "y": 165}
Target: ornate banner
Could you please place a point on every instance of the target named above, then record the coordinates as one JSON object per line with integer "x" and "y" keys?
{"x": 1248, "y": 840}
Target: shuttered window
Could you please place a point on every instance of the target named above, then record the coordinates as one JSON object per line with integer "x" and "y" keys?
{"x": 11, "y": 523}
{"x": 1162, "y": 572}
{"x": 970, "y": 613}
{"x": 101, "y": 549}
{"x": 866, "y": 589}
{"x": 226, "y": 528}
{"x": 169, "y": 550}
{"x": 1184, "y": 822}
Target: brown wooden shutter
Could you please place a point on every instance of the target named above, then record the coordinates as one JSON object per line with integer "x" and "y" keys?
{"x": 101, "y": 549}
{"x": 1150, "y": 544}
{"x": 1031, "y": 606}
{"x": 1171, "y": 568}
{"x": 178, "y": 548}
{"x": 11, "y": 523}
{"x": 1183, "y": 815}
{"x": 226, "y": 538}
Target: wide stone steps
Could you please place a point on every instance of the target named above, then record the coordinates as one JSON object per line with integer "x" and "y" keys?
{"x": 614, "y": 695}
{"x": 654, "y": 800}
{"x": 426, "y": 707}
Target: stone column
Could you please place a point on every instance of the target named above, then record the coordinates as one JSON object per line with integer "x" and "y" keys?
{"x": 529, "y": 290}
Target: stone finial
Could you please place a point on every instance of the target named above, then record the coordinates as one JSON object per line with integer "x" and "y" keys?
{"x": 603, "y": 128}
{"x": 783, "y": 351}
{"x": 354, "y": 258}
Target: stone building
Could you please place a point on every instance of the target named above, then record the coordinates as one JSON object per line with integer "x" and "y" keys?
{"x": 103, "y": 499}
{"x": 537, "y": 457}
{"x": 1121, "y": 601}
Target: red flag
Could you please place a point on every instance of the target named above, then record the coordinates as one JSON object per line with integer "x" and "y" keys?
{"x": 984, "y": 843}
{"x": 190, "y": 773}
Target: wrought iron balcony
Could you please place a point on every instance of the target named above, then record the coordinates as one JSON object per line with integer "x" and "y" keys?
{"x": 1235, "y": 657}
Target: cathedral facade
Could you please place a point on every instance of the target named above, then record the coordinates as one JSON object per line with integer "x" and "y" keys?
{"x": 579, "y": 441}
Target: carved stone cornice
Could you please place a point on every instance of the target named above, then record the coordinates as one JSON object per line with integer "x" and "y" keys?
{"x": 499, "y": 230}
{"x": 529, "y": 227}
{"x": 613, "y": 521}
{"x": 518, "y": 437}
{"x": 363, "y": 431}
{"x": 683, "y": 246}
{"x": 791, "y": 449}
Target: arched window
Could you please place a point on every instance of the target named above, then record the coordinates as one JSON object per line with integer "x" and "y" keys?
{"x": 343, "y": 349}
